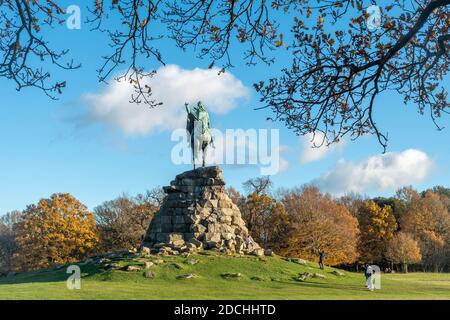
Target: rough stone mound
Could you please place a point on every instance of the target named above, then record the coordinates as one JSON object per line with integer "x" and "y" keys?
{"x": 197, "y": 213}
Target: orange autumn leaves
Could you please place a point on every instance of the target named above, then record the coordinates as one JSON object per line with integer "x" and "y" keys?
{"x": 266, "y": 219}
{"x": 318, "y": 223}
{"x": 404, "y": 250}
{"x": 300, "y": 223}
{"x": 55, "y": 231}
{"x": 409, "y": 229}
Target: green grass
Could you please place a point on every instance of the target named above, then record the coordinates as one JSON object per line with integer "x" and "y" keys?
{"x": 266, "y": 278}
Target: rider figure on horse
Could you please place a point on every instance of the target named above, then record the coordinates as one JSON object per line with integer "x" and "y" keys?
{"x": 198, "y": 127}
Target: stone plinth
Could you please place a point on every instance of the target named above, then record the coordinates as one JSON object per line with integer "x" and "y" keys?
{"x": 197, "y": 213}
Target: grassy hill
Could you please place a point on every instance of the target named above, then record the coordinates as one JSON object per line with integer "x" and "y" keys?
{"x": 260, "y": 278}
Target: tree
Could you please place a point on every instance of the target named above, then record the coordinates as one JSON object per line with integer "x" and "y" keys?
{"x": 377, "y": 225}
{"x": 237, "y": 198}
{"x": 398, "y": 206}
{"x": 155, "y": 196}
{"x": 404, "y": 250}
{"x": 123, "y": 221}
{"x": 428, "y": 221}
{"x": 266, "y": 219}
{"x": 55, "y": 231}
{"x": 444, "y": 194}
{"x": 318, "y": 223}
{"x": 331, "y": 86}
{"x": 407, "y": 194}
{"x": 352, "y": 202}
{"x": 8, "y": 243}
{"x": 259, "y": 185}
{"x": 441, "y": 190}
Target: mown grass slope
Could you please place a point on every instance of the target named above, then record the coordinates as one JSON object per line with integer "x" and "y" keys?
{"x": 261, "y": 278}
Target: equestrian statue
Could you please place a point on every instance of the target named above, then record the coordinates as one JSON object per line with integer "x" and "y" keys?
{"x": 198, "y": 128}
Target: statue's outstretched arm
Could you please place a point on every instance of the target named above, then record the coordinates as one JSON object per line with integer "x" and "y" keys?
{"x": 186, "y": 105}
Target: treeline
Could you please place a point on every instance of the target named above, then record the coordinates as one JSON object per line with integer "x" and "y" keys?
{"x": 410, "y": 228}
{"x": 61, "y": 230}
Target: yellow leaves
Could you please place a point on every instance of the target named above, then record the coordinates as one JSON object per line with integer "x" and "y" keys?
{"x": 377, "y": 225}
{"x": 144, "y": 23}
{"x": 308, "y": 12}
{"x": 56, "y": 230}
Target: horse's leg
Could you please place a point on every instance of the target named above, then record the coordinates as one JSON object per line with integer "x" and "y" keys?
{"x": 196, "y": 150}
{"x": 203, "y": 158}
{"x": 193, "y": 152}
{"x": 204, "y": 146}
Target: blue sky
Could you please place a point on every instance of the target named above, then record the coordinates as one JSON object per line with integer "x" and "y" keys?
{"x": 48, "y": 146}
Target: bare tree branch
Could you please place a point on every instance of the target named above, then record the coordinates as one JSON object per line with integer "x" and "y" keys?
{"x": 23, "y": 51}
{"x": 337, "y": 76}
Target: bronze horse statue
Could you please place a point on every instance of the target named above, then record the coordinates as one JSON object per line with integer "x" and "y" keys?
{"x": 198, "y": 127}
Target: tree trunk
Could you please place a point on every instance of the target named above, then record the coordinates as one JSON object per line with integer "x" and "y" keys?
{"x": 405, "y": 268}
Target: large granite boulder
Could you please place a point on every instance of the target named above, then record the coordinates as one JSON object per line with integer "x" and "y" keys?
{"x": 197, "y": 212}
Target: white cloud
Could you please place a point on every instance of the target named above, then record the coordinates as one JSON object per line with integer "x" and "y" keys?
{"x": 377, "y": 173}
{"x": 314, "y": 147}
{"x": 171, "y": 85}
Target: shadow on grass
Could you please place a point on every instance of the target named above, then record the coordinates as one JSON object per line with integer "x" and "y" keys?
{"x": 56, "y": 274}
{"x": 321, "y": 285}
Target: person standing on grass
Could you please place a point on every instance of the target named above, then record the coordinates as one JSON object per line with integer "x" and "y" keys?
{"x": 369, "y": 277}
{"x": 321, "y": 258}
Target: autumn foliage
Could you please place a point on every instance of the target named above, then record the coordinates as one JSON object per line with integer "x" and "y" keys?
{"x": 377, "y": 225}
{"x": 266, "y": 218}
{"x": 8, "y": 242}
{"x": 55, "y": 231}
{"x": 318, "y": 223}
{"x": 122, "y": 222}
{"x": 428, "y": 220}
{"x": 403, "y": 250}
{"x": 409, "y": 230}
